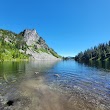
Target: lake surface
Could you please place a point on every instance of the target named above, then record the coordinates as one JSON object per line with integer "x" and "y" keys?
{"x": 85, "y": 86}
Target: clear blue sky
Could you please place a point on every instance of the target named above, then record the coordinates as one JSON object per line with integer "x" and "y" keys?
{"x": 68, "y": 26}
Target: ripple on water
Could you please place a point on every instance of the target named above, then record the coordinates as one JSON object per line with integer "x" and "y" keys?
{"x": 90, "y": 84}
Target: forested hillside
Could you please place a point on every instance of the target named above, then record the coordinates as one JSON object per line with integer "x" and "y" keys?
{"x": 97, "y": 53}
{"x": 10, "y": 43}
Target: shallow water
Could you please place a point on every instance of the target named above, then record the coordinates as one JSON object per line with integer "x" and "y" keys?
{"x": 78, "y": 87}
{"x": 77, "y": 80}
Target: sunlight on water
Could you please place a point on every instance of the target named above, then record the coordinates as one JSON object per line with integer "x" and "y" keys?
{"x": 81, "y": 86}
{"x": 89, "y": 83}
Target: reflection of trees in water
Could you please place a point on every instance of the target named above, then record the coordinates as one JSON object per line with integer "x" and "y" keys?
{"x": 10, "y": 70}
{"x": 98, "y": 64}
{"x": 40, "y": 66}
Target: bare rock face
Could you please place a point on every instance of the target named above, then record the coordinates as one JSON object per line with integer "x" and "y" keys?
{"x": 42, "y": 43}
{"x": 30, "y": 36}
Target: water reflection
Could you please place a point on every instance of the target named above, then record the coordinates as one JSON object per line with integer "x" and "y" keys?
{"x": 11, "y": 70}
{"x": 14, "y": 70}
{"x": 83, "y": 81}
{"x": 87, "y": 86}
{"x": 105, "y": 65}
{"x": 40, "y": 66}
{"x": 20, "y": 84}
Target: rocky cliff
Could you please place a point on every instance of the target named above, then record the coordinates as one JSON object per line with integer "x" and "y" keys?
{"x": 28, "y": 43}
{"x": 31, "y": 37}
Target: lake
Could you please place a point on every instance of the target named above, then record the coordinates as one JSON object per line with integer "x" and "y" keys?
{"x": 51, "y": 85}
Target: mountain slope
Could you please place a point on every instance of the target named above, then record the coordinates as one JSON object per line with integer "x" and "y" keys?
{"x": 27, "y": 44}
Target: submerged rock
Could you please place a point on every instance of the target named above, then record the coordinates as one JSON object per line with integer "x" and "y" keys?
{"x": 57, "y": 75}
{"x": 36, "y": 72}
{"x": 10, "y": 103}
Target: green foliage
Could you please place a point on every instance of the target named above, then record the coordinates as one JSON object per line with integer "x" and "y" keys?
{"x": 10, "y": 50}
{"x": 54, "y": 53}
{"x": 99, "y": 53}
{"x": 50, "y": 51}
{"x": 43, "y": 50}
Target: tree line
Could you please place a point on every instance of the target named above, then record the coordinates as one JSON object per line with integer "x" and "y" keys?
{"x": 97, "y": 53}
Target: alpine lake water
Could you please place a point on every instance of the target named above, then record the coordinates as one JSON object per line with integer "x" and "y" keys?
{"x": 54, "y": 85}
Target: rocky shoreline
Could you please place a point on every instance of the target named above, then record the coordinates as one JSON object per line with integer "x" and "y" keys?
{"x": 35, "y": 94}
{"x": 31, "y": 94}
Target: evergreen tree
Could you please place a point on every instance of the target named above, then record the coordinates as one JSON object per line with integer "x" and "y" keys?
{"x": 100, "y": 52}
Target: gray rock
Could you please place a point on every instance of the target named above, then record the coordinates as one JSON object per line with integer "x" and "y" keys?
{"x": 57, "y": 75}
{"x": 30, "y": 36}
{"x": 36, "y": 72}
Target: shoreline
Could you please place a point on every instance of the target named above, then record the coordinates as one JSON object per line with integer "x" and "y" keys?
{"x": 32, "y": 59}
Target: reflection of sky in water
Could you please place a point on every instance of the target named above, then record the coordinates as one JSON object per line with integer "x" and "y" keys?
{"x": 75, "y": 76}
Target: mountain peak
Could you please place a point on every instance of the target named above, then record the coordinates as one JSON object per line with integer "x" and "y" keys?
{"x": 30, "y": 30}
{"x": 30, "y": 36}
